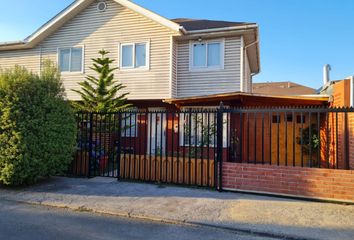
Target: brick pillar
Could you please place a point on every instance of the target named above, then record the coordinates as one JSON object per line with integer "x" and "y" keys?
{"x": 341, "y": 98}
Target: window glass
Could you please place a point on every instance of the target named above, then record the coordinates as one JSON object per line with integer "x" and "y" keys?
{"x": 76, "y": 59}
{"x": 199, "y": 129}
{"x": 140, "y": 55}
{"x": 127, "y": 56}
{"x": 214, "y": 54}
{"x": 64, "y": 60}
{"x": 199, "y": 55}
{"x": 129, "y": 128}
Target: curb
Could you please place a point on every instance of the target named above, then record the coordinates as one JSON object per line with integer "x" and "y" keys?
{"x": 128, "y": 215}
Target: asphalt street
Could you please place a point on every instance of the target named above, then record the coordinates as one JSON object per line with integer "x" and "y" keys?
{"x": 30, "y": 222}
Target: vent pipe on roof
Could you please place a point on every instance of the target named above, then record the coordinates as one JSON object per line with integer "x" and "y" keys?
{"x": 326, "y": 69}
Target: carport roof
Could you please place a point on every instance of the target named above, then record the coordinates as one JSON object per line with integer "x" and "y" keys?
{"x": 251, "y": 99}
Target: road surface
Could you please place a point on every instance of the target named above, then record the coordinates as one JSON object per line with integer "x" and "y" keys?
{"x": 29, "y": 222}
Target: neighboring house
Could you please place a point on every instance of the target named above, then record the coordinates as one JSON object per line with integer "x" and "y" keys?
{"x": 158, "y": 58}
{"x": 282, "y": 88}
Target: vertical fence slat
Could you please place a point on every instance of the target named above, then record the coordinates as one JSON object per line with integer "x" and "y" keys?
{"x": 270, "y": 138}
{"x": 319, "y": 140}
{"x": 337, "y": 142}
{"x": 173, "y": 115}
{"x": 278, "y": 139}
{"x": 248, "y": 138}
{"x": 219, "y": 130}
{"x": 346, "y": 141}
{"x": 286, "y": 137}
{"x": 310, "y": 141}
{"x": 241, "y": 137}
{"x": 255, "y": 138}
{"x": 208, "y": 147}
{"x": 302, "y": 139}
{"x": 196, "y": 148}
{"x": 294, "y": 139}
{"x": 262, "y": 137}
{"x": 119, "y": 145}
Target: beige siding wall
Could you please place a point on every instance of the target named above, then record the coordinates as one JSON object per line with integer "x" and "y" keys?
{"x": 106, "y": 30}
{"x": 174, "y": 70}
{"x": 209, "y": 82}
{"x": 27, "y": 58}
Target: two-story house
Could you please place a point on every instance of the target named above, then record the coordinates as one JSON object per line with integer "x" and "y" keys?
{"x": 163, "y": 63}
{"x": 158, "y": 59}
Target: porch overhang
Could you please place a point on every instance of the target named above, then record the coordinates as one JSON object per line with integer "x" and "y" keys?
{"x": 242, "y": 99}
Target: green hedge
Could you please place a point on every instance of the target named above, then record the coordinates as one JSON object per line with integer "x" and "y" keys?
{"x": 37, "y": 126}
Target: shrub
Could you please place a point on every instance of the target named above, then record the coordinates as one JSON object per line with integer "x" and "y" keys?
{"x": 102, "y": 93}
{"x": 37, "y": 126}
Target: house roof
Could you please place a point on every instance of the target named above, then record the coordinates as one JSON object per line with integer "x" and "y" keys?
{"x": 202, "y": 24}
{"x": 282, "y": 88}
{"x": 251, "y": 99}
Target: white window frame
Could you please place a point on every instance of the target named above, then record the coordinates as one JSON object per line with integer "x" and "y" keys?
{"x": 226, "y": 128}
{"x": 193, "y": 68}
{"x": 82, "y": 63}
{"x": 133, "y": 67}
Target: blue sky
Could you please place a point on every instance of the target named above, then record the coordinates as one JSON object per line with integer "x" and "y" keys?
{"x": 297, "y": 36}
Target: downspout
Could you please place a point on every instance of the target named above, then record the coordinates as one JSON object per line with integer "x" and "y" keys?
{"x": 242, "y": 66}
{"x": 245, "y": 49}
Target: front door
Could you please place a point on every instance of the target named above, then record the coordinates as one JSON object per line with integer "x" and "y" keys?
{"x": 156, "y": 131}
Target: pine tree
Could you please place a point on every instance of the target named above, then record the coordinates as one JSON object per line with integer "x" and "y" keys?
{"x": 102, "y": 94}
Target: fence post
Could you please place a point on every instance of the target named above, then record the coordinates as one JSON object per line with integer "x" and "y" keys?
{"x": 346, "y": 141}
{"x": 119, "y": 145}
{"x": 219, "y": 151}
{"x": 90, "y": 144}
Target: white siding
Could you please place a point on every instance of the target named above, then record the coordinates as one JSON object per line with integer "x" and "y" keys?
{"x": 191, "y": 83}
{"x": 27, "y": 58}
{"x": 106, "y": 30}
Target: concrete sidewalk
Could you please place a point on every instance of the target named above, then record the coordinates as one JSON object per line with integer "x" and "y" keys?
{"x": 293, "y": 219}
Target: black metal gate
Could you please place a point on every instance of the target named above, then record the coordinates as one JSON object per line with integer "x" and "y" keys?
{"x": 173, "y": 147}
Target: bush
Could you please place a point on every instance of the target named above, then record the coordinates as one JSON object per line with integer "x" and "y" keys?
{"x": 37, "y": 126}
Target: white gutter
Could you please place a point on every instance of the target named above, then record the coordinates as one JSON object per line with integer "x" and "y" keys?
{"x": 244, "y": 27}
{"x": 12, "y": 43}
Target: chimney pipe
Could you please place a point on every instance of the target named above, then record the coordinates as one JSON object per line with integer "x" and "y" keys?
{"x": 326, "y": 69}
{"x": 351, "y": 91}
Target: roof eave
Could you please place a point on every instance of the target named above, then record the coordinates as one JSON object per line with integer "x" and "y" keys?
{"x": 69, "y": 12}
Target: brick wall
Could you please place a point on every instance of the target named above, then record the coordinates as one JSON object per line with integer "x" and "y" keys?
{"x": 304, "y": 182}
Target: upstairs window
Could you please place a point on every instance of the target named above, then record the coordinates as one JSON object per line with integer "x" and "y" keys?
{"x": 71, "y": 59}
{"x": 134, "y": 55}
{"x": 207, "y": 55}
